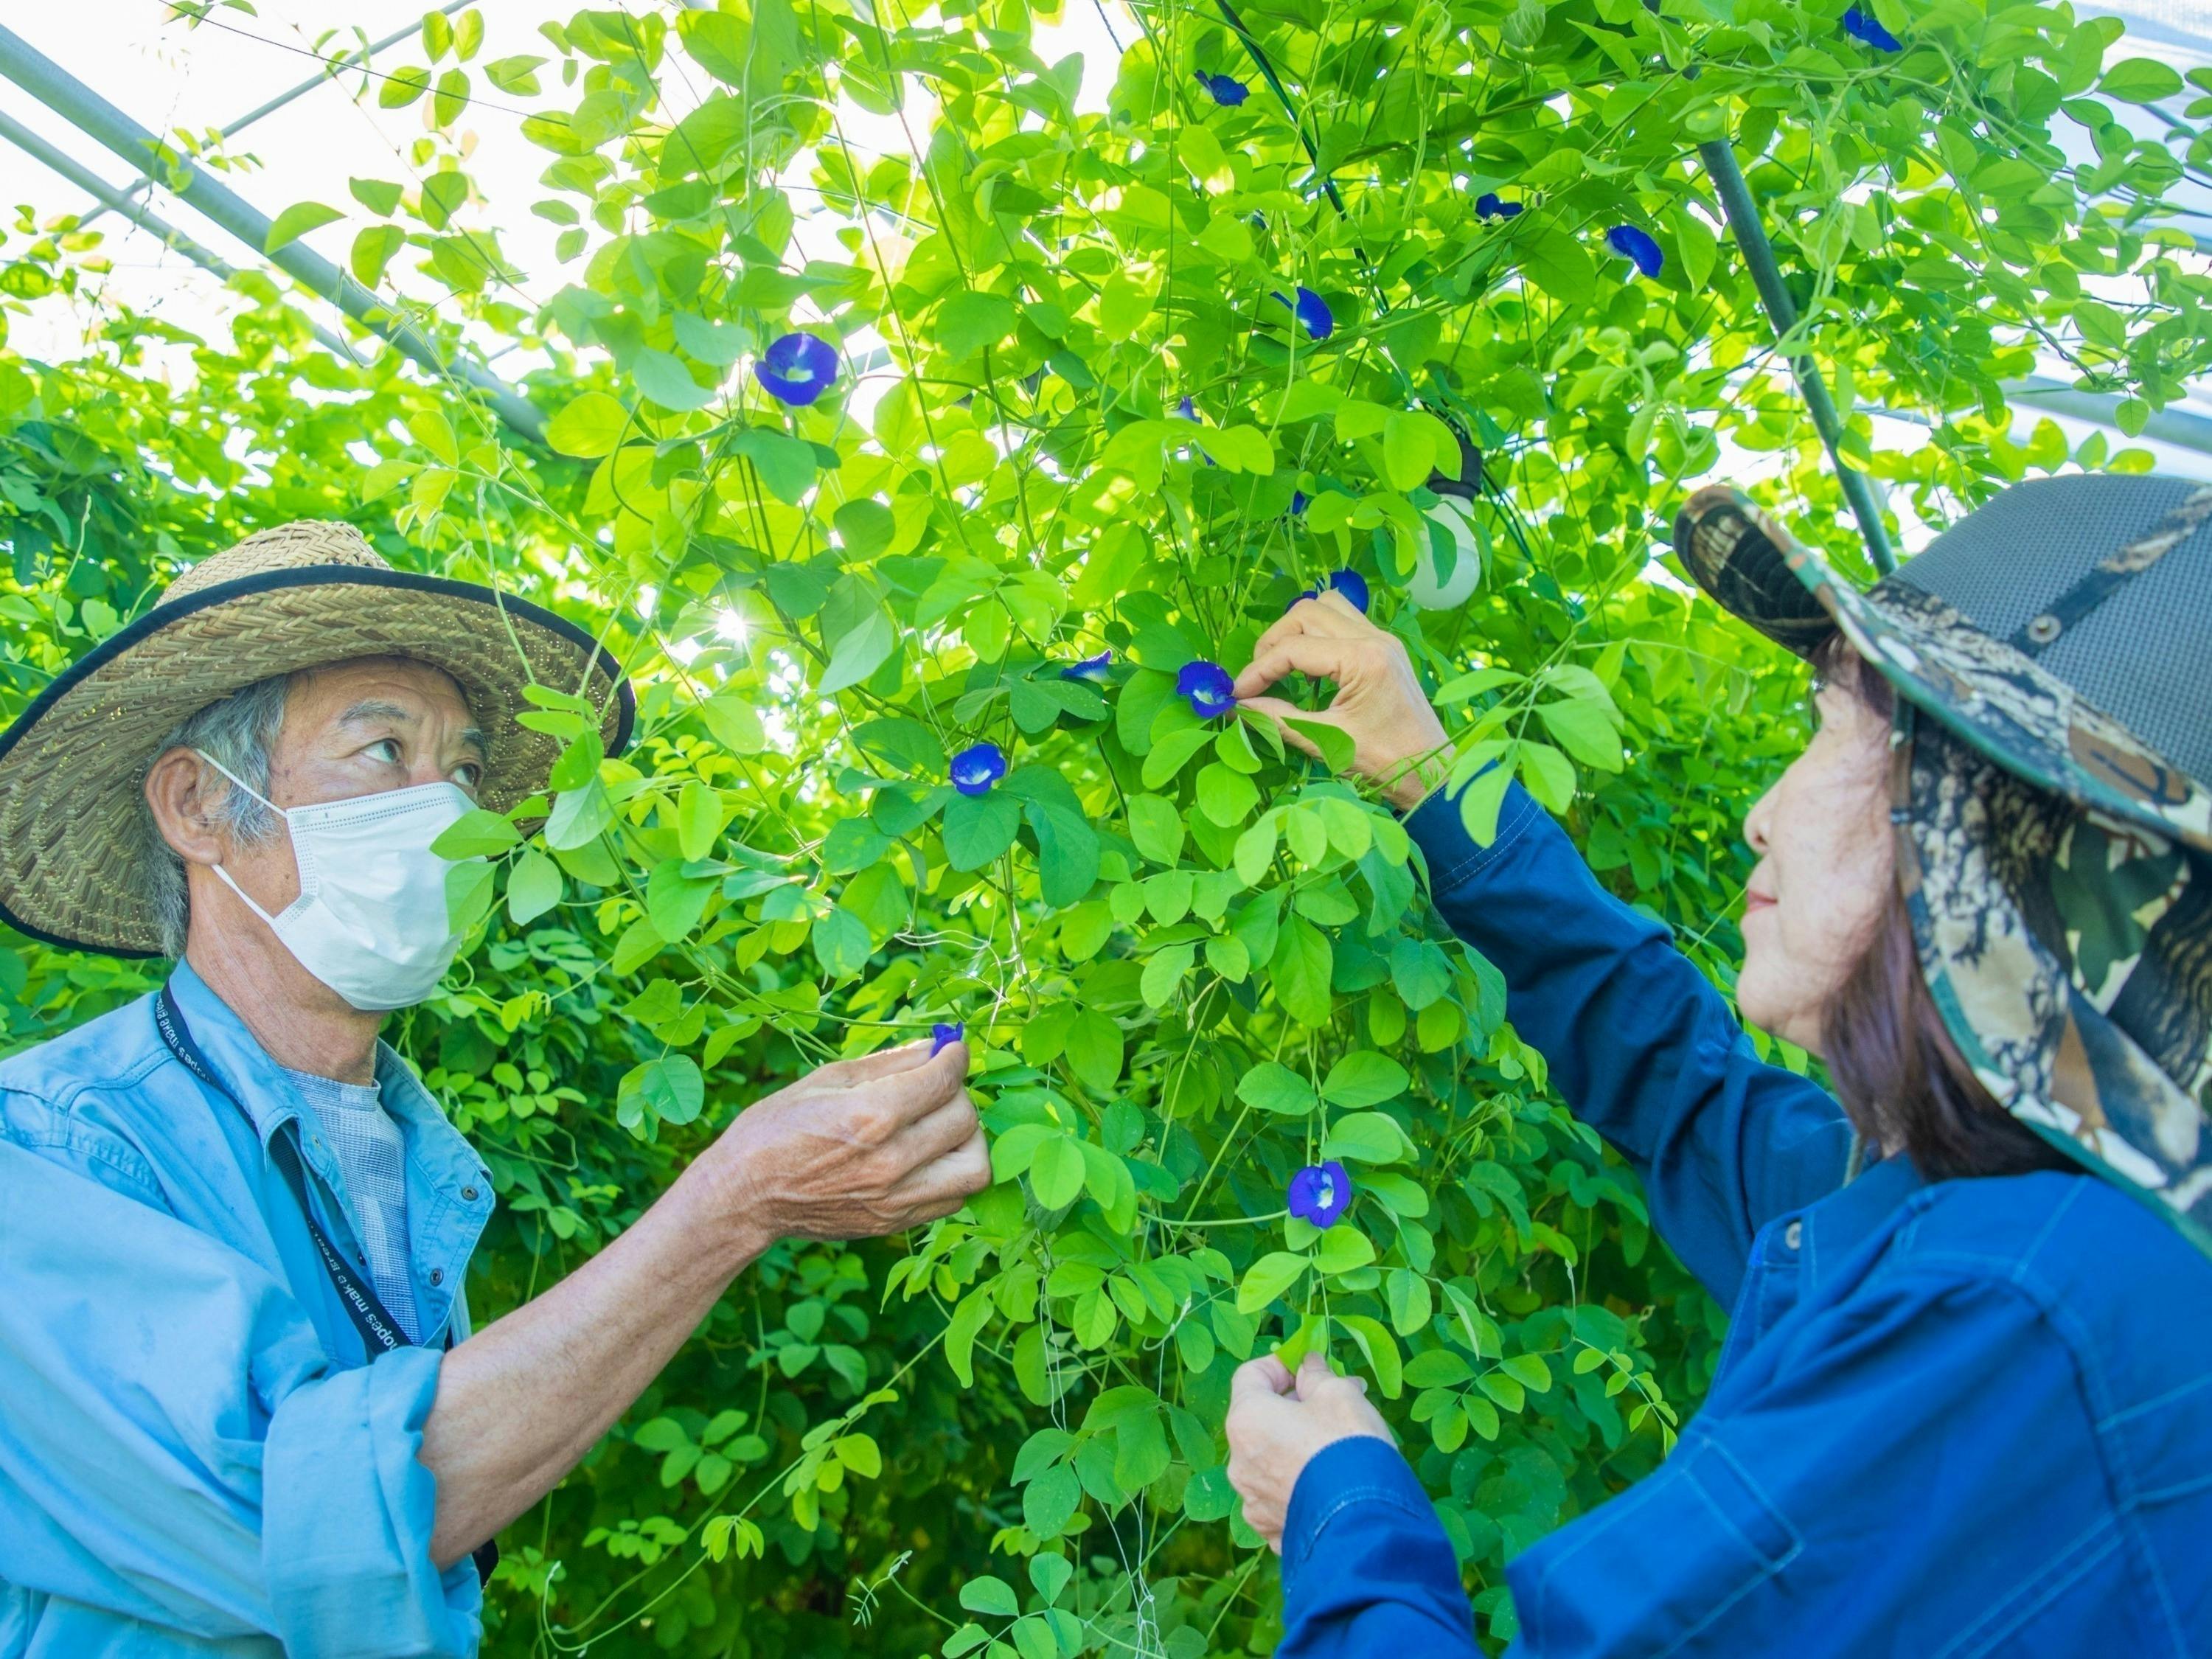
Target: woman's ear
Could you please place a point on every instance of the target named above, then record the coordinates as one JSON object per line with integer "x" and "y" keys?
{"x": 183, "y": 791}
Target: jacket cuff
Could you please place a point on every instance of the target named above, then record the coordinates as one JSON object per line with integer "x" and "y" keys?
{"x": 1359, "y": 1471}
{"x": 1440, "y": 832}
{"x": 347, "y": 1510}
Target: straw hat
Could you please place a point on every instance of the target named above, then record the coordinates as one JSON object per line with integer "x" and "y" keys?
{"x": 73, "y": 853}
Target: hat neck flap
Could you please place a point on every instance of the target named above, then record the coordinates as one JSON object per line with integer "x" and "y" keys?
{"x": 2069, "y": 955}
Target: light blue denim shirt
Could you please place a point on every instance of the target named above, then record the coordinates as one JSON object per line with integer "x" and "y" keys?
{"x": 196, "y": 1455}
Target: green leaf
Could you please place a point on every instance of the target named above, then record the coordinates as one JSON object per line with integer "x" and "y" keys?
{"x": 1364, "y": 1078}
{"x": 1170, "y": 754}
{"x": 841, "y": 944}
{"x": 588, "y": 425}
{"x": 1056, "y": 1172}
{"x": 1301, "y": 972}
{"x": 1271, "y": 1087}
{"x": 991, "y": 1596}
{"x": 533, "y": 887}
{"x": 735, "y": 723}
{"x": 675, "y": 901}
{"x": 1366, "y": 1138}
{"x": 662, "y": 378}
{"x": 296, "y": 221}
{"x": 698, "y": 820}
{"x": 1268, "y": 1277}
{"x": 373, "y": 248}
{"x": 1157, "y": 828}
{"x": 1094, "y": 1049}
{"x": 977, "y": 829}
{"x": 785, "y": 465}
{"x": 2140, "y": 81}
{"x": 859, "y": 653}
{"x": 376, "y": 195}
{"x": 966, "y": 323}
{"x": 476, "y": 834}
{"x": 672, "y": 1086}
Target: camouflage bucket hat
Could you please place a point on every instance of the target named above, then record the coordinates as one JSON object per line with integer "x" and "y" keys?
{"x": 2050, "y": 789}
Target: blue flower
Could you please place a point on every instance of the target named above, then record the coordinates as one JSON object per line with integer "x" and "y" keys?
{"x": 945, "y": 1034}
{"x": 797, "y": 368}
{"x": 1299, "y": 502}
{"x": 1224, "y": 89}
{"x": 1209, "y": 688}
{"x": 1094, "y": 669}
{"x": 1186, "y": 409}
{"x": 1487, "y": 206}
{"x": 1299, "y": 598}
{"x": 1351, "y": 585}
{"x": 1312, "y": 312}
{"x": 1320, "y": 1193}
{"x": 1631, "y": 243}
{"x": 1861, "y": 25}
{"x": 975, "y": 768}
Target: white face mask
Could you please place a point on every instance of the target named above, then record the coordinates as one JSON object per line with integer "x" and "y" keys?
{"x": 371, "y": 920}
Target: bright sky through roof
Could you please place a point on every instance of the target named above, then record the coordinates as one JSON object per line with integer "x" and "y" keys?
{"x": 167, "y": 73}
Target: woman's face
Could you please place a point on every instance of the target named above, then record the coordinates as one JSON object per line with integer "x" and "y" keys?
{"x": 1826, "y": 861}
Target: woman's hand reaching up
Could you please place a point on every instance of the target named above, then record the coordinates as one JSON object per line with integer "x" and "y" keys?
{"x": 1396, "y": 738}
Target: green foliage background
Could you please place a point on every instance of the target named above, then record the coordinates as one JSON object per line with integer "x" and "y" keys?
{"x": 1188, "y": 963}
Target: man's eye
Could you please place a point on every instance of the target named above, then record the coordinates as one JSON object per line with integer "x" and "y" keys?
{"x": 385, "y": 748}
{"x": 468, "y": 775}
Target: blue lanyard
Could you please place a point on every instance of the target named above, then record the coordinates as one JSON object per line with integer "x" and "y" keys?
{"x": 379, "y": 1330}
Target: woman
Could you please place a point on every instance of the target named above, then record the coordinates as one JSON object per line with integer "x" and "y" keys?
{"x": 1965, "y": 1402}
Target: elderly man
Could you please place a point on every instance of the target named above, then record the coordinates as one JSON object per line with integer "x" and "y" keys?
{"x": 242, "y": 1409}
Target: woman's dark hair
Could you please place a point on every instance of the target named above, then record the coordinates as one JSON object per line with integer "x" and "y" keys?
{"x": 1901, "y": 1079}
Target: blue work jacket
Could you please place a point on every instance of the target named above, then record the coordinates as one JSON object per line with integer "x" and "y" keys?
{"x": 1966, "y": 1417}
{"x": 196, "y": 1455}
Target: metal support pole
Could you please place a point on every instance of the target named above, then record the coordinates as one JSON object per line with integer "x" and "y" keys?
{"x": 1758, "y": 254}
{"x": 77, "y": 103}
{"x": 170, "y": 237}
{"x": 361, "y": 56}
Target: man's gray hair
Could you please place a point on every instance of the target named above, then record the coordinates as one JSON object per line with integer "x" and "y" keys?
{"x": 239, "y": 732}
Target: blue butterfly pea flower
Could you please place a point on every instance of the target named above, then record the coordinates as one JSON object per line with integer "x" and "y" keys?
{"x": 1188, "y": 409}
{"x": 1633, "y": 244}
{"x": 945, "y": 1034}
{"x": 1208, "y": 685}
{"x": 797, "y": 368}
{"x": 1299, "y": 502}
{"x": 1223, "y": 89}
{"x": 1487, "y": 206}
{"x": 1312, "y": 311}
{"x": 978, "y": 767}
{"x": 1094, "y": 669}
{"x": 1320, "y": 1194}
{"x": 1351, "y": 585}
{"x": 1861, "y": 27}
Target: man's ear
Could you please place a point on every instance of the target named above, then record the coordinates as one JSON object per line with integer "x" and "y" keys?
{"x": 184, "y": 791}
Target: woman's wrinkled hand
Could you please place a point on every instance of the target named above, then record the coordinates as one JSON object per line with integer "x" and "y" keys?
{"x": 1276, "y": 1424}
{"x": 1396, "y": 738}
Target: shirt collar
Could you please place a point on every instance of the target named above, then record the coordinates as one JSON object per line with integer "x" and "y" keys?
{"x": 1848, "y": 1217}
{"x": 255, "y": 1080}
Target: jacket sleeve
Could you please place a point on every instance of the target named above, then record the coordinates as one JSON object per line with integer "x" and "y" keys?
{"x": 1642, "y": 1048}
{"x": 1367, "y": 1571}
{"x": 176, "y": 1447}
{"x": 1834, "y": 1506}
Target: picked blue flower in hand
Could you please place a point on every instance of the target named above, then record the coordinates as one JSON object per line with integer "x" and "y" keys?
{"x": 945, "y": 1034}
{"x": 1209, "y": 687}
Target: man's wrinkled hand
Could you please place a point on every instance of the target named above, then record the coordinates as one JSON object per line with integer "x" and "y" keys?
{"x": 1276, "y": 1424}
{"x": 856, "y": 1149}
{"x": 1396, "y": 738}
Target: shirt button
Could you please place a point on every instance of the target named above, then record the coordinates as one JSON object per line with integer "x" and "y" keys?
{"x": 469, "y": 1195}
{"x": 1793, "y": 1235}
{"x": 437, "y": 1275}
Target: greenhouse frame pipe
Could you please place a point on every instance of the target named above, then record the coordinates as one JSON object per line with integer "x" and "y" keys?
{"x": 359, "y": 55}
{"x": 145, "y": 217}
{"x": 1742, "y": 214}
{"x": 89, "y": 113}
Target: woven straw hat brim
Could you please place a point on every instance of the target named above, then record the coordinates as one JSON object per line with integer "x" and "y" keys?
{"x": 75, "y": 860}
{"x": 1996, "y": 699}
